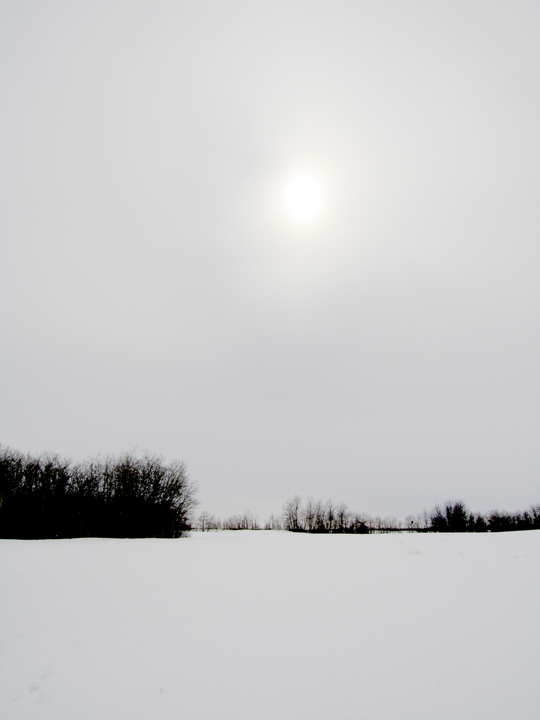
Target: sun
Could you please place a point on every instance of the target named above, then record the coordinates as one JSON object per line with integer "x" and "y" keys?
{"x": 303, "y": 198}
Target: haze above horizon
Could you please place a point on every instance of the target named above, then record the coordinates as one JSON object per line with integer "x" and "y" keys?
{"x": 156, "y": 293}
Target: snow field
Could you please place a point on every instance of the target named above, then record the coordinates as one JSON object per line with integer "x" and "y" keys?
{"x": 260, "y": 625}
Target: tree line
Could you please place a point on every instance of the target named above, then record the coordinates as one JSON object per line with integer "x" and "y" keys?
{"x": 246, "y": 521}
{"x": 46, "y": 496}
{"x": 318, "y": 516}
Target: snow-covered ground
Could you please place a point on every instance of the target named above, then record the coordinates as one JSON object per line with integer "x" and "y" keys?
{"x": 260, "y": 625}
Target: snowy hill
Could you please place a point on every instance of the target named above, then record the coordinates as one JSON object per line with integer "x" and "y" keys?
{"x": 260, "y": 625}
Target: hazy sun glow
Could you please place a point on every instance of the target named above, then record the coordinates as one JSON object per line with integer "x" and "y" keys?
{"x": 303, "y": 198}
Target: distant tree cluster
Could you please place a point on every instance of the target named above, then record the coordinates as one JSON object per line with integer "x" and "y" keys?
{"x": 454, "y": 517}
{"x": 48, "y": 497}
{"x": 246, "y": 521}
{"x": 313, "y": 517}
{"x": 327, "y": 517}
{"x": 273, "y": 523}
{"x": 317, "y": 516}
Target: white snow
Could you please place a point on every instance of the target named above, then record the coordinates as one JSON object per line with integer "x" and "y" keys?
{"x": 259, "y": 625}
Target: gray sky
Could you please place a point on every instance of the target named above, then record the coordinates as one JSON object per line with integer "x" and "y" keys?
{"x": 155, "y": 293}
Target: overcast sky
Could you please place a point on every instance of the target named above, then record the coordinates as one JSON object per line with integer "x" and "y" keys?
{"x": 156, "y": 294}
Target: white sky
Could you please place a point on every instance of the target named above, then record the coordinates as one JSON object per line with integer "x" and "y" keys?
{"x": 155, "y": 294}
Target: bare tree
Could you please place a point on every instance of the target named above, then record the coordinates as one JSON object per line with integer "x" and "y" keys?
{"x": 454, "y": 517}
{"x": 291, "y": 513}
{"x": 419, "y": 522}
{"x": 250, "y": 521}
{"x": 308, "y": 516}
{"x": 273, "y": 523}
{"x": 319, "y": 516}
{"x": 247, "y": 521}
{"x": 342, "y": 518}
{"x": 330, "y": 520}
{"x": 203, "y": 521}
{"x": 234, "y": 522}
{"x": 359, "y": 523}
